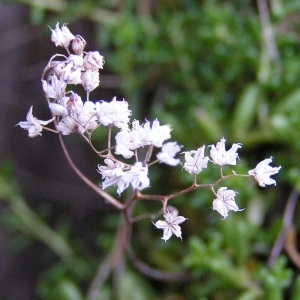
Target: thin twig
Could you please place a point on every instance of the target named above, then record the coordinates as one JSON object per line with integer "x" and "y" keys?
{"x": 155, "y": 273}
{"x": 93, "y": 186}
{"x": 98, "y": 15}
{"x": 286, "y": 226}
{"x": 291, "y": 248}
{"x": 268, "y": 34}
{"x": 113, "y": 259}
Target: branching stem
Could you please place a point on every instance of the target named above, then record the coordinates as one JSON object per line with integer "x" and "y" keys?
{"x": 114, "y": 202}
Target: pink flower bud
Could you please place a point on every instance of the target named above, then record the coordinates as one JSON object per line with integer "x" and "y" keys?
{"x": 78, "y": 44}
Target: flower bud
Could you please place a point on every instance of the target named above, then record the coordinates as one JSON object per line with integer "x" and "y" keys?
{"x": 74, "y": 102}
{"x": 93, "y": 60}
{"x": 61, "y": 37}
{"x": 75, "y": 60}
{"x": 78, "y": 44}
{"x": 58, "y": 110}
{"x": 90, "y": 80}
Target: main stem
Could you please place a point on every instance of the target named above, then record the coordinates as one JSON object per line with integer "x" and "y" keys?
{"x": 93, "y": 186}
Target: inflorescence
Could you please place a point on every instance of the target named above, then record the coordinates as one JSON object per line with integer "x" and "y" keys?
{"x": 71, "y": 114}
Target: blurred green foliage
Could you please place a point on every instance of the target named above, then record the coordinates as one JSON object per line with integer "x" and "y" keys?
{"x": 206, "y": 68}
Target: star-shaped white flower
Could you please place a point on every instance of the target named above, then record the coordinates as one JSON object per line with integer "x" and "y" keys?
{"x": 222, "y": 157}
{"x": 263, "y": 171}
{"x": 170, "y": 225}
{"x": 113, "y": 175}
{"x": 225, "y": 202}
{"x": 195, "y": 161}
{"x": 138, "y": 176}
{"x": 155, "y": 134}
{"x": 126, "y": 141}
{"x": 33, "y": 125}
{"x": 86, "y": 116}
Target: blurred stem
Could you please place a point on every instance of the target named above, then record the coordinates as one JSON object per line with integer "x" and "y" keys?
{"x": 270, "y": 52}
{"x": 208, "y": 124}
{"x": 256, "y": 136}
{"x": 32, "y": 224}
{"x": 286, "y": 235}
{"x": 54, "y": 5}
{"x": 276, "y": 7}
{"x": 83, "y": 9}
{"x": 291, "y": 248}
{"x": 156, "y": 274}
{"x": 185, "y": 63}
{"x": 111, "y": 262}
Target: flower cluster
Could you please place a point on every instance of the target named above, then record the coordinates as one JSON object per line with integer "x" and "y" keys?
{"x": 142, "y": 144}
{"x": 128, "y": 141}
{"x": 196, "y": 161}
{"x": 117, "y": 174}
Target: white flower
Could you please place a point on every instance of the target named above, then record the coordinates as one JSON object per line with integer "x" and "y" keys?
{"x": 225, "y": 202}
{"x": 156, "y": 134}
{"x": 195, "y": 161}
{"x": 86, "y": 116}
{"x": 73, "y": 104}
{"x": 222, "y": 157}
{"x": 121, "y": 149}
{"x": 113, "y": 113}
{"x": 58, "y": 110}
{"x": 126, "y": 142}
{"x": 113, "y": 175}
{"x": 170, "y": 225}
{"x": 75, "y": 60}
{"x": 61, "y": 37}
{"x": 76, "y": 116}
{"x": 33, "y": 125}
{"x": 54, "y": 88}
{"x": 168, "y": 151}
{"x": 93, "y": 60}
{"x": 90, "y": 80}
{"x": 72, "y": 73}
{"x": 57, "y": 66}
{"x": 138, "y": 176}
{"x": 263, "y": 171}
{"x": 67, "y": 125}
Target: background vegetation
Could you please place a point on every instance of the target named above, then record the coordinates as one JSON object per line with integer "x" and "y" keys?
{"x": 211, "y": 69}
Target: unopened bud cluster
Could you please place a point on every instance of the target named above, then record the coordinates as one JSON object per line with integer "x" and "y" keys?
{"x": 124, "y": 165}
